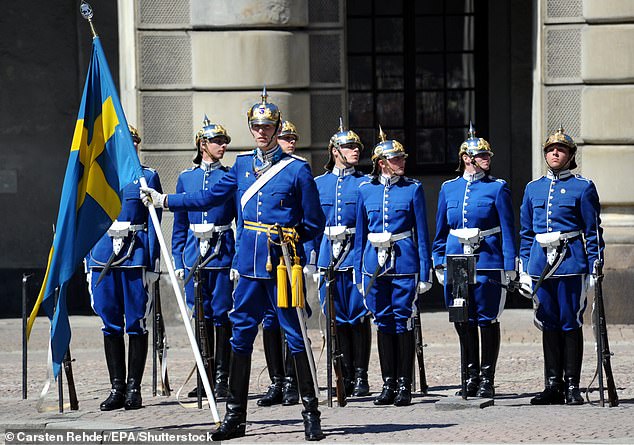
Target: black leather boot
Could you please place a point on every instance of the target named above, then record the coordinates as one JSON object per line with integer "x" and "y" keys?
{"x": 290, "y": 393}
{"x": 471, "y": 342}
{"x": 553, "y": 391}
{"x": 387, "y": 345}
{"x": 361, "y": 344}
{"x": 223, "y": 359}
{"x": 311, "y": 414}
{"x": 573, "y": 357}
{"x": 137, "y": 353}
{"x": 344, "y": 338}
{"x": 114, "y": 348}
{"x": 406, "y": 351}
{"x": 272, "y": 340}
{"x": 235, "y": 421}
{"x": 490, "y": 350}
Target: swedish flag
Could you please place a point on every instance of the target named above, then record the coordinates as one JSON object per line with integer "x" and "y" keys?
{"x": 102, "y": 162}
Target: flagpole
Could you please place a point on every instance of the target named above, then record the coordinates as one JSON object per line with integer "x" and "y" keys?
{"x": 183, "y": 309}
{"x": 87, "y": 13}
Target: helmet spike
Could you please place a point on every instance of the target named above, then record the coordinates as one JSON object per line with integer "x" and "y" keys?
{"x": 561, "y": 129}
{"x": 471, "y": 134}
{"x": 382, "y": 135}
{"x": 206, "y": 121}
{"x": 341, "y": 128}
{"x": 264, "y": 95}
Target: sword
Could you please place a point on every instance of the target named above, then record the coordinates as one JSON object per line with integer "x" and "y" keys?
{"x": 549, "y": 269}
{"x": 106, "y": 268}
{"x": 300, "y": 311}
{"x": 376, "y": 273}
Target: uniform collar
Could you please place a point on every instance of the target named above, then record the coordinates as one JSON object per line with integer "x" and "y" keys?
{"x": 343, "y": 172}
{"x": 562, "y": 174}
{"x": 389, "y": 180}
{"x": 263, "y": 160}
{"x": 473, "y": 177}
{"x": 210, "y": 166}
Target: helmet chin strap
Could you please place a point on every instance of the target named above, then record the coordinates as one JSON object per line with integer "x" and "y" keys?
{"x": 343, "y": 157}
{"x": 213, "y": 158}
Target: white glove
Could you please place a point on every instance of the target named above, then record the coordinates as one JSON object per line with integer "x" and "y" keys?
{"x": 440, "y": 276}
{"x": 150, "y": 278}
{"x": 234, "y": 274}
{"x": 361, "y": 289}
{"x": 423, "y": 286}
{"x": 316, "y": 277}
{"x": 591, "y": 281}
{"x": 180, "y": 274}
{"x": 510, "y": 275}
{"x": 526, "y": 285}
{"x": 149, "y": 196}
{"x": 310, "y": 269}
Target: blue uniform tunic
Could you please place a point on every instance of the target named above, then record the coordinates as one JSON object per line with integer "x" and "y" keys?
{"x": 121, "y": 298}
{"x": 338, "y": 193}
{"x": 214, "y": 276}
{"x": 561, "y": 203}
{"x": 483, "y": 202}
{"x": 289, "y": 198}
{"x": 396, "y": 206}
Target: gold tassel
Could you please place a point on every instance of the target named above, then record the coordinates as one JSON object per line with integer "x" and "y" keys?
{"x": 282, "y": 280}
{"x": 297, "y": 285}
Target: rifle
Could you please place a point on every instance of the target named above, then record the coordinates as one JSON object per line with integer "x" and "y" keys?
{"x": 72, "y": 392}
{"x": 334, "y": 357}
{"x": 603, "y": 347}
{"x": 159, "y": 344}
{"x": 206, "y": 347}
{"x": 420, "y": 358}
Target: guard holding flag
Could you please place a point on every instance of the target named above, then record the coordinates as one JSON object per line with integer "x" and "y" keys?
{"x": 204, "y": 239}
{"x": 338, "y": 193}
{"x": 277, "y": 196}
{"x": 561, "y": 244}
{"x": 121, "y": 268}
{"x": 392, "y": 263}
{"x": 482, "y": 204}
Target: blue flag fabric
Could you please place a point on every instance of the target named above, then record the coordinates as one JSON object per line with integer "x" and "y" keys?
{"x": 102, "y": 162}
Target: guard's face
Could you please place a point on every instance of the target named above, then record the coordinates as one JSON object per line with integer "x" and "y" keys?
{"x": 557, "y": 156}
{"x": 350, "y": 151}
{"x": 394, "y": 166}
{"x": 287, "y": 143}
{"x": 213, "y": 149}
{"x": 263, "y": 134}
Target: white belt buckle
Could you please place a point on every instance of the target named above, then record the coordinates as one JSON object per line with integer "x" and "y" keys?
{"x": 336, "y": 235}
{"x": 118, "y": 231}
{"x": 468, "y": 237}
{"x": 382, "y": 241}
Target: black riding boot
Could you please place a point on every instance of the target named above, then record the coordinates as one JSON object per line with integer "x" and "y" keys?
{"x": 490, "y": 350}
{"x": 114, "y": 347}
{"x": 209, "y": 329}
{"x": 406, "y": 351}
{"x": 553, "y": 393}
{"x": 573, "y": 356}
{"x": 311, "y": 414}
{"x": 272, "y": 340}
{"x": 469, "y": 338}
{"x": 362, "y": 344}
{"x": 137, "y": 353}
{"x": 235, "y": 421}
{"x": 223, "y": 359}
{"x": 387, "y": 345}
{"x": 344, "y": 338}
{"x": 290, "y": 393}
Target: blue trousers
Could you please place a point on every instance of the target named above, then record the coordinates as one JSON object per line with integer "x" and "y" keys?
{"x": 486, "y": 298}
{"x": 252, "y": 297}
{"x": 121, "y": 300}
{"x": 562, "y": 302}
{"x": 349, "y": 306}
{"x": 216, "y": 289}
{"x": 392, "y": 301}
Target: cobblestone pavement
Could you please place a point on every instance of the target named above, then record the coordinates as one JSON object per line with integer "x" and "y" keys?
{"x": 511, "y": 420}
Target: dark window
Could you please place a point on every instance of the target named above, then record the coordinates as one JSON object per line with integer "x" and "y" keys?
{"x": 418, "y": 68}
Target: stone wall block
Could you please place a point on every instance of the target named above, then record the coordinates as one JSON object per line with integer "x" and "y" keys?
{"x": 618, "y": 161}
{"x": 249, "y": 59}
{"x": 607, "y": 53}
{"x": 608, "y": 10}
{"x": 606, "y": 114}
{"x": 249, "y": 13}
